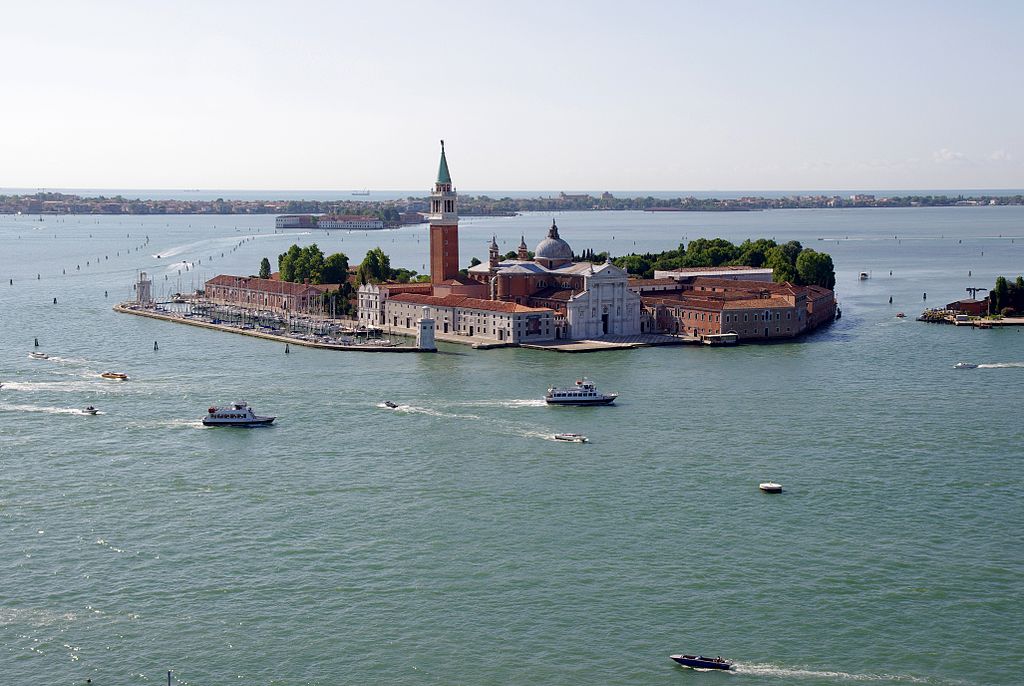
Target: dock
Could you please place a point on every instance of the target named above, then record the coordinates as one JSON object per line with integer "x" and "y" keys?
{"x": 644, "y": 340}
{"x": 131, "y": 308}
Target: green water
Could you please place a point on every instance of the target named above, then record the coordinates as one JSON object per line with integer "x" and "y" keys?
{"x": 451, "y": 541}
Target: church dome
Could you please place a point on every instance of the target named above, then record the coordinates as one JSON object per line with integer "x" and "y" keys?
{"x": 553, "y": 247}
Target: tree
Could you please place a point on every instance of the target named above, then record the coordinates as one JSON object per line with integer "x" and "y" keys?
{"x": 264, "y": 268}
{"x": 1001, "y": 295}
{"x": 286, "y": 262}
{"x": 782, "y": 269}
{"x": 375, "y": 267}
{"x": 815, "y": 269}
{"x": 335, "y": 269}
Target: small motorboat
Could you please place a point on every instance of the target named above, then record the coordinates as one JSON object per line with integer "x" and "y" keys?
{"x": 115, "y": 375}
{"x": 965, "y": 365}
{"x": 701, "y": 662}
{"x": 388, "y": 403}
{"x": 770, "y": 487}
{"x": 571, "y": 438}
{"x": 900, "y": 315}
{"x": 39, "y": 356}
{"x": 89, "y": 410}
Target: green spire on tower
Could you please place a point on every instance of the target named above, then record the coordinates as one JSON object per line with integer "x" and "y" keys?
{"x": 442, "y": 171}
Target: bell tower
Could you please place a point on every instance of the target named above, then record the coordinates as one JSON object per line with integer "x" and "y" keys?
{"x": 444, "y": 226}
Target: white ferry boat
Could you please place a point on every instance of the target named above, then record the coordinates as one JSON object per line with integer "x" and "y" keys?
{"x": 238, "y": 414}
{"x": 583, "y": 393}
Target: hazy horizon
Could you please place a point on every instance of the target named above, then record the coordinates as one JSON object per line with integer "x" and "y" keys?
{"x": 574, "y": 95}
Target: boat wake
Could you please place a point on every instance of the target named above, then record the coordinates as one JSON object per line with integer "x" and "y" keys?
{"x": 167, "y": 424}
{"x": 1002, "y": 365}
{"x": 412, "y": 409}
{"x": 511, "y": 403}
{"x": 42, "y": 409}
{"x": 795, "y": 673}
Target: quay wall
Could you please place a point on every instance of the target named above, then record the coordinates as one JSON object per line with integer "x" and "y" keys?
{"x": 269, "y": 336}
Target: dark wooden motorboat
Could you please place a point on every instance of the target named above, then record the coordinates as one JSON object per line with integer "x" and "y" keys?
{"x": 701, "y": 662}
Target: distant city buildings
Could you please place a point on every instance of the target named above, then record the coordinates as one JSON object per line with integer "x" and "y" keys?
{"x": 344, "y": 221}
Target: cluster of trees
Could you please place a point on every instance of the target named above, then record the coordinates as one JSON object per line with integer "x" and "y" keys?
{"x": 376, "y": 268}
{"x": 790, "y": 261}
{"x": 299, "y": 264}
{"x": 1007, "y": 298}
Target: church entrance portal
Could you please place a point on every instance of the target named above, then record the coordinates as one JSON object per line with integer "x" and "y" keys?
{"x": 604, "y": 323}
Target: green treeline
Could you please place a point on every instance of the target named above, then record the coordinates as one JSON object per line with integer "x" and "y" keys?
{"x": 790, "y": 261}
{"x": 376, "y": 268}
{"x": 299, "y": 264}
{"x": 1007, "y": 298}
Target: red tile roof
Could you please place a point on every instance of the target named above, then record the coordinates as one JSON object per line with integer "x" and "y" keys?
{"x": 465, "y": 302}
{"x": 267, "y": 285}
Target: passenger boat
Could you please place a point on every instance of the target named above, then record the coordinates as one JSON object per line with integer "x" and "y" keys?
{"x": 90, "y": 410}
{"x": 571, "y": 438}
{"x": 701, "y": 662}
{"x": 965, "y": 365}
{"x": 115, "y": 375}
{"x": 583, "y": 393}
{"x": 770, "y": 487}
{"x": 238, "y": 414}
{"x": 39, "y": 356}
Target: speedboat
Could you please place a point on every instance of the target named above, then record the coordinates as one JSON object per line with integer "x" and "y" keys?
{"x": 388, "y": 403}
{"x": 701, "y": 662}
{"x": 90, "y": 410}
{"x": 770, "y": 487}
{"x": 115, "y": 375}
{"x": 571, "y": 438}
{"x": 965, "y": 365}
{"x": 39, "y": 356}
{"x": 238, "y": 414}
{"x": 583, "y": 393}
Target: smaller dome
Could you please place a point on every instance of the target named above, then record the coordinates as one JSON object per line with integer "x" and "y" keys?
{"x": 553, "y": 247}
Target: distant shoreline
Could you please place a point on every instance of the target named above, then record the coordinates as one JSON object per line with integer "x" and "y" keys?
{"x": 52, "y": 203}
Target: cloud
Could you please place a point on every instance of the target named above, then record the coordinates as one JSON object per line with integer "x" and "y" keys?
{"x": 1000, "y": 156}
{"x": 947, "y": 156}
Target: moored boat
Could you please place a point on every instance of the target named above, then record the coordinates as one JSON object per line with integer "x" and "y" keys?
{"x": 115, "y": 375}
{"x": 583, "y": 393}
{"x": 770, "y": 487}
{"x": 701, "y": 662}
{"x": 571, "y": 438}
{"x": 238, "y": 414}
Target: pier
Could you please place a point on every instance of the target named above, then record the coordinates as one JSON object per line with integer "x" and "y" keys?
{"x": 152, "y": 313}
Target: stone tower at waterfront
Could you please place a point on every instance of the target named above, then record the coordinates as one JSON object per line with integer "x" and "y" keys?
{"x": 444, "y": 227}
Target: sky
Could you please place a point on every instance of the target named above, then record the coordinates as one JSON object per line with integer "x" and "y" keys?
{"x": 597, "y": 95}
